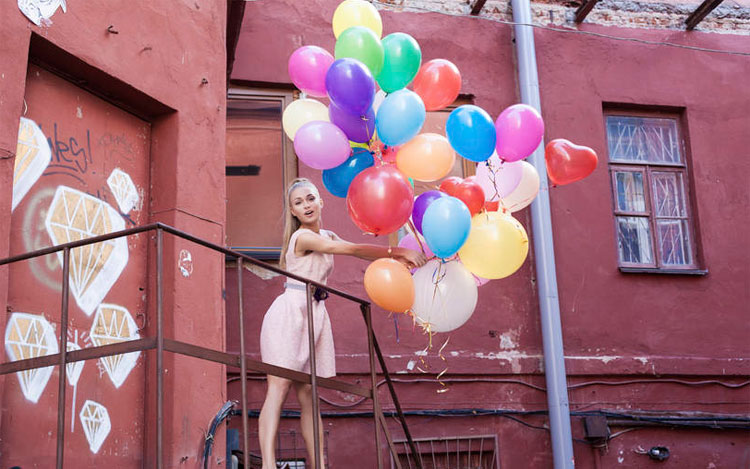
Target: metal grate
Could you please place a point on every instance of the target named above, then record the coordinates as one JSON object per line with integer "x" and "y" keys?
{"x": 459, "y": 452}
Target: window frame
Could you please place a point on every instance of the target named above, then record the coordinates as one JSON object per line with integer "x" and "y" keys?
{"x": 289, "y": 166}
{"x": 647, "y": 169}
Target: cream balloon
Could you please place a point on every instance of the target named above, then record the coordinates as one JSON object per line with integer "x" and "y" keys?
{"x": 300, "y": 112}
{"x": 446, "y": 295}
{"x": 497, "y": 245}
{"x": 379, "y": 98}
{"x": 525, "y": 192}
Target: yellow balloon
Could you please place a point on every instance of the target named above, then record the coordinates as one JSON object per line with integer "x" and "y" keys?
{"x": 426, "y": 157}
{"x": 358, "y": 145}
{"x": 357, "y": 13}
{"x": 300, "y": 112}
{"x": 497, "y": 245}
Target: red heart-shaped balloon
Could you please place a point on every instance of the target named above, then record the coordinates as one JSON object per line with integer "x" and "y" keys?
{"x": 467, "y": 190}
{"x": 568, "y": 162}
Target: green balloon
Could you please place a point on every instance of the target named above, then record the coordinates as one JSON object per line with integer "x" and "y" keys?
{"x": 402, "y": 60}
{"x": 362, "y": 44}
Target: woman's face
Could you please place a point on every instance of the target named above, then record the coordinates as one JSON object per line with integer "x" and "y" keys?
{"x": 305, "y": 204}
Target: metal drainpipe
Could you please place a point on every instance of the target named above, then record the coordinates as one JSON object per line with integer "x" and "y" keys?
{"x": 549, "y": 306}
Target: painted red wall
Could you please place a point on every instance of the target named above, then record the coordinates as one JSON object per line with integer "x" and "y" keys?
{"x": 167, "y": 65}
{"x": 616, "y": 326}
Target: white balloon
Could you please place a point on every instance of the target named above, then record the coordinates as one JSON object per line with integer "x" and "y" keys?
{"x": 379, "y": 97}
{"x": 526, "y": 191}
{"x": 446, "y": 295}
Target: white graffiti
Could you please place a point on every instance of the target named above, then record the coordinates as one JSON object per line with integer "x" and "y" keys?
{"x": 124, "y": 190}
{"x": 40, "y": 11}
{"x": 74, "y": 215}
{"x": 185, "y": 263}
{"x": 114, "y": 324}
{"x": 73, "y": 370}
{"x": 96, "y": 424}
{"x": 30, "y": 336}
{"x": 32, "y": 158}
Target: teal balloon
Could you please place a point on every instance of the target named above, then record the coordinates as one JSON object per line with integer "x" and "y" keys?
{"x": 337, "y": 180}
{"x": 400, "y": 117}
{"x": 471, "y": 132}
{"x": 445, "y": 225}
{"x": 403, "y": 57}
{"x": 362, "y": 44}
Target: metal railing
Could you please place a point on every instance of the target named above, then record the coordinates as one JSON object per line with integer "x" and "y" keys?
{"x": 162, "y": 344}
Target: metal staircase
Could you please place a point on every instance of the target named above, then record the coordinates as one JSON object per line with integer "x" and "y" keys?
{"x": 162, "y": 344}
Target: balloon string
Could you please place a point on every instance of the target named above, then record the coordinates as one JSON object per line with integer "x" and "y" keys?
{"x": 395, "y": 324}
{"x": 416, "y": 235}
{"x": 493, "y": 180}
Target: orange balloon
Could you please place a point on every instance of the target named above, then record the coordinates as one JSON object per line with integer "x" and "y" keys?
{"x": 438, "y": 83}
{"x": 426, "y": 157}
{"x": 389, "y": 285}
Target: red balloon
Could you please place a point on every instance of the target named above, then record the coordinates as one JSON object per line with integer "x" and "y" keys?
{"x": 467, "y": 190}
{"x": 380, "y": 199}
{"x": 568, "y": 162}
{"x": 387, "y": 153}
{"x": 437, "y": 83}
{"x": 449, "y": 184}
{"x": 492, "y": 206}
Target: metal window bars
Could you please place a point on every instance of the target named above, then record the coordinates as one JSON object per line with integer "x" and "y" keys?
{"x": 162, "y": 344}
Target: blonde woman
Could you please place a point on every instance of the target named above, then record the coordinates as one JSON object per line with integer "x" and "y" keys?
{"x": 307, "y": 251}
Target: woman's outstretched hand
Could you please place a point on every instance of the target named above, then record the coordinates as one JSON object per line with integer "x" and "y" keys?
{"x": 412, "y": 259}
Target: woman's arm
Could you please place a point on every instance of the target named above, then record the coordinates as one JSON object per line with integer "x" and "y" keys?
{"x": 314, "y": 242}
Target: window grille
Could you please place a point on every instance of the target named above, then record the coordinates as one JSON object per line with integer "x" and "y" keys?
{"x": 459, "y": 452}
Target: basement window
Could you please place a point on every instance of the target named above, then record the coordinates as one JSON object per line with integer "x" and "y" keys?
{"x": 653, "y": 213}
{"x": 458, "y": 452}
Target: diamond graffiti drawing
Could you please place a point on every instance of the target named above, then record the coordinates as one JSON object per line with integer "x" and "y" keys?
{"x": 73, "y": 370}
{"x": 114, "y": 324}
{"x": 32, "y": 158}
{"x": 39, "y": 11}
{"x": 96, "y": 424}
{"x": 124, "y": 190}
{"x": 74, "y": 215}
{"x": 30, "y": 336}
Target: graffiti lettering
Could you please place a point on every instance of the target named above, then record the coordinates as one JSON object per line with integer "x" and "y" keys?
{"x": 68, "y": 155}
{"x": 116, "y": 147}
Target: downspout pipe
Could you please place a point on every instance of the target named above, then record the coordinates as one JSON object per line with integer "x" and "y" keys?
{"x": 541, "y": 221}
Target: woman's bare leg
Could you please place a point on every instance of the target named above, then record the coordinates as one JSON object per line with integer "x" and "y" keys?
{"x": 268, "y": 422}
{"x": 304, "y": 396}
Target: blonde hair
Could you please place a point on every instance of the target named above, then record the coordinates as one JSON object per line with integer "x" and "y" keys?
{"x": 291, "y": 223}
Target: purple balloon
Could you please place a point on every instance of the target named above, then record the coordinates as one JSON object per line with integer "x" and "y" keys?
{"x": 520, "y": 130}
{"x": 421, "y": 204}
{"x": 307, "y": 69}
{"x": 410, "y": 242}
{"x": 321, "y": 145}
{"x": 350, "y": 85}
{"x": 359, "y": 128}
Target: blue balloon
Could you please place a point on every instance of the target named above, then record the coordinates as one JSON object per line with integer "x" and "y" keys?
{"x": 471, "y": 132}
{"x": 337, "y": 180}
{"x": 400, "y": 117}
{"x": 446, "y": 225}
{"x": 351, "y": 86}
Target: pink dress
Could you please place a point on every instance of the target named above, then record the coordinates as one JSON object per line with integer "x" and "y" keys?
{"x": 284, "y": 336}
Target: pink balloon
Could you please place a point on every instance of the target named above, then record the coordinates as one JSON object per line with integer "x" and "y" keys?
{"x": 308, "y": 66}
{"x": 505, "y": 175}
{"x": 410, "y": 242}
{"x": 480, "y": 280}
{"x": 321, "y": 145}
{"x": 520, "y": 130}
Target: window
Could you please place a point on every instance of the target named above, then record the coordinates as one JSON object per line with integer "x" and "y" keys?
{"x": 471, "y": 452}
{"x": 259, "y": 164}
{"x": 651, "y": 199}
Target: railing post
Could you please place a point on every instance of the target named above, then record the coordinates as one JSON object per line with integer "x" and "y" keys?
{"x": 159, "y": 348}
{"x": 313, "y": 374}
{"x": 63, "y": 358}
{"x": 243, "y": 367}
{"x": 374, "y": 378}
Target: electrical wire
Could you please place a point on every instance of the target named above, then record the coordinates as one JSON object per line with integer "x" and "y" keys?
{"x": 571, "y": 31}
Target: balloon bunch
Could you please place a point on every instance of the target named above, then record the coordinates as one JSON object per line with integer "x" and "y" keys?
{"x": 369, "y": 146}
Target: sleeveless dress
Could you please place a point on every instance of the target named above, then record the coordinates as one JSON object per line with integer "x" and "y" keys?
{"x": 284, "y": 335}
